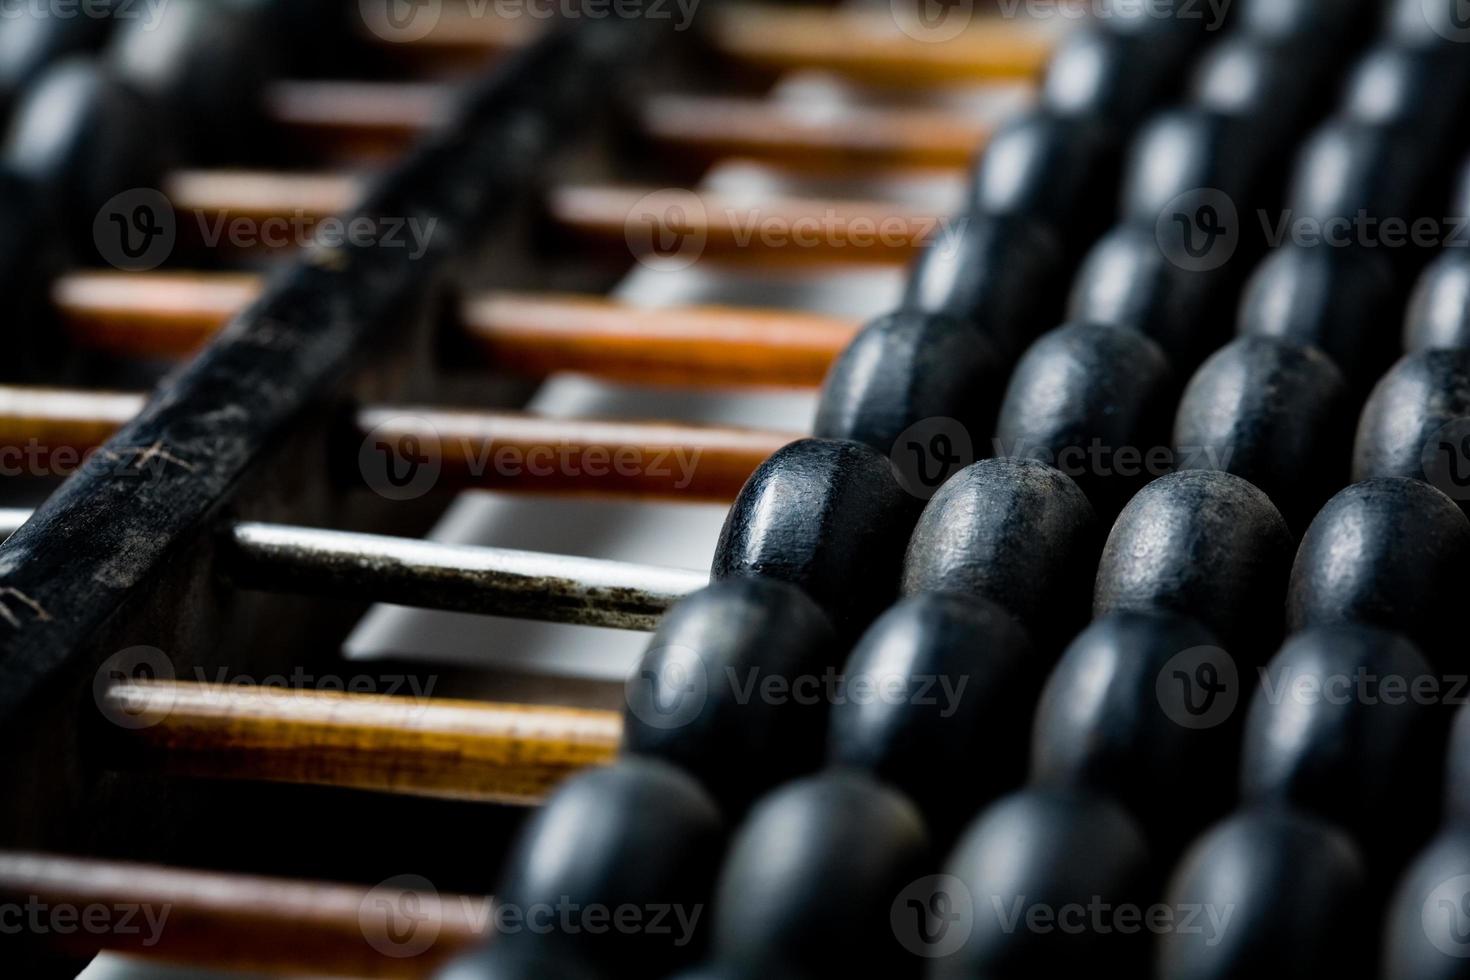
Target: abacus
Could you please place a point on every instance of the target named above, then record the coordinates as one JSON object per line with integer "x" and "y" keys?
{"x": 1079, "y": 392}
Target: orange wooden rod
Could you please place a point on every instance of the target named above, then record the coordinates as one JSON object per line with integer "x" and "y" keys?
{"x": 215, "y": 920}
{"x": 356, "y": 118}
{"x": 215, "y": 197}
{"x": 459, "y": 449}
{"x": 505, "y": 753}
{"x": 168, "y": 314}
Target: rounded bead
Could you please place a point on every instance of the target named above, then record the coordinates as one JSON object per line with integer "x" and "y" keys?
{"x": 1439, "y": 312}
{"x": 1273, "y": 413}
{"x": 1457, "y": 783}
{"x": 1428, "y": 923}
{"x": 1418, "y": 92}
{"x": 33, "y": 42}
{"x": 1096, "y": 74}
{"x": 697, "y": 701}
{"x": 1126, "y": 280}
{"x": 1293, "y": 888}
{"x": 1307, "y": 20}
{"x": 936, "y": 683}
{"x": 1348, "y": 173}
{"x": 1057, "y": 855}
{"x": 639, "y": 835}
{"x": 1142, "y": 707}
{"x": 1181, "y": 151}
{"x": 1093, "y": 400}
{"x": 1337, "y": 300}
{"x": 811, "y": 877}
{"x": 512, "y": 958}
{"x": 1259, "y": 80}
{"x": 825, "y": 515}
{"x": 1391, "y": 553}
{"x": 996, "y": 272}
{"x": 1014, "y": 531}
{"x": 1342, "y": 727}
{"x": 1416, "y": 423}
{"x": 1202, "y": 544}
{"x": 907, "y": 368}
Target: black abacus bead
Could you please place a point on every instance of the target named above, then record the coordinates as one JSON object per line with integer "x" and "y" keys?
{"x": 1057, "y": 853}
{"x": 1349, "y": 167}
{"x": 1428, "y": 23}
{"x": 696, "y": 698}
{"x": 907, "y": 367}
{"x": 1142, "y": 708}
{"x": 1183, "y": 152}
{"x": 1314, "y": 21}
{"x": 996, "y": 272}
{"x": 1428, "y": 922}
{"x": 1127, "y": 280}
{"x": 31, "y": 43}
{"x": 1014, "y": 531}
{"x": 828, "y": 516}
{"x": 510, "y": 959}
{"x": 1457, "y": 782}
{"x": 1274, "y": 413}
{"x": 204, "y": 65}
{"x": 1391, "y": 553}
{"x": 1269, "y": 83}
{"x": 812, "y": 874}
{"x": 639, "y": 834}
{"x": 1053, "y": 169}
{"x": 1343, "y": 726}
{"x": 1439, "y": 311}
{"x": 936, "y": 683}
{"x": 83, "y": 138}
{"x": 1416, "y": 91}
{"x": 1293, "y": 888}
{"x": 1414, "y": 424}
{"x": 1092, "y": 400}
{"x": 1203, "y": 544}
{"x": 1096, "y": 75}
{"x": 1335, "y": 299}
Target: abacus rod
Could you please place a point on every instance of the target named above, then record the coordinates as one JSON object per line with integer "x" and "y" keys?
{"x": 222, "y": 920}
{"x": 174, "y": 313}
{"x": 463, "y": 578}
{"x": 470, "y": 750}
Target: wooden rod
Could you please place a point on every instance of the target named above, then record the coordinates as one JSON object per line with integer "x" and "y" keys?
{"x": 457, "y": 449}
{"x": 674, "y": 227}
{"x": 216, "y": 920}
{"x": 216, "y": 196}
{"x": 167, "y": 314}
{"x": 833, "y": 138}
{"x": 472, "y": 750}
{"x": 371, "y": 119}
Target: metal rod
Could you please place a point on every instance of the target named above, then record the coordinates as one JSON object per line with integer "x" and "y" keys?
{"x": 463, "y": 578}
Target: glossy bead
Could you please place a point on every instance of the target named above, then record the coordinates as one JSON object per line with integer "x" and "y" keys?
{"x": 1344, "y": 725}
{"x": 1142, "y": 708}
{"x": 1346, "y": 167}
{"x": 82, "y": 138}
{"x": 204, "y": 65}
{"x": 1097, "y": 74}
{"x": 1420, "y": 92}
{"x": 1273, "y": 413}
{"x": 1439, "y": 312}
{"x": 1306, "y": 20}
{"x": 936, "y": 683}
{"x": 1428, "y": 923}
{"x": 699, "y": 698}
{"x": 1391, "y": 553}
{"x": 1059, "y": 171}
{"x": 811, "y": 877}
{"x": 33, "y": 42}
{"x": 1014, "y": 531}
{"x": 1266, "y": 82}
{"x": 825, "y": 515}
{"x": 1203, "y": 544}
{"x": 1427, "y": 23}
{"x": 1032, "y": 864}
{"x": 1457, "y": 781}
{"x": 1335, "y": 299}
{"x": 904, "y": 369}
{"x": 638, "y": 834}
{"x": 1415, "y": 423}
{"x": 1293, "y": 888}
{"x": 1181, "y": 151}
{"x": 1093, "y": 400}
{"x": 997, "y": 272}
{"x": 1126, "y": 280}
{"x": 511, "y": 957}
